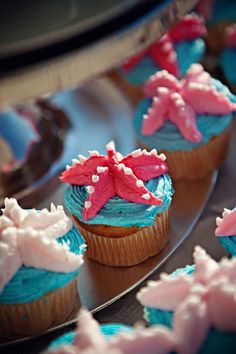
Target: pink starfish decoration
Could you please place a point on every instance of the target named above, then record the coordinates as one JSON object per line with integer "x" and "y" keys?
{"x": 28, "y": 237}
{"x": 200, "y": 301}
{"x": 230, "y": 40}
{"x": 180, "y": 100}
{"x": 111, "y": 175}
{"x": 163, "y": 51}
{"x": 226, "y": 226}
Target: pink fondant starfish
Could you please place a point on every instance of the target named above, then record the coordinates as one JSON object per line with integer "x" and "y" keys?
{"x": 163, "y": 51}
{"x": 200, "y": 301}
{"x": 226, "y": 226}
{"x": 28, "y": 237}
{"x": 180, "y": 100}
{"x": 230, "y": 39}
{"x": 107, "y": 176}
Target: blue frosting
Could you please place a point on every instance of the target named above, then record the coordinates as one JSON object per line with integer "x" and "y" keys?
{"x": 169, "y": 137}
{"x": 228, "y": 64}
{"x": 188, "y": 52}
{"x": 216, "y": 342}
{"x": 108, "y": 330}
{"x": 229, "y": 243}
{"x": 30, "y": 284}
{"x": 223, "y": 10}
{"x": 120, "y": 212}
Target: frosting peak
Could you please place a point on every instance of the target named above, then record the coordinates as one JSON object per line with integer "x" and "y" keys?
{"x": 111, "y": 175}
{"x": 180, "y": 100}
{"x": 163, "y": 51}
{"x": 202, "y": 300}
{"x": 28, "y": 237}
{"x": 226, "y": 226}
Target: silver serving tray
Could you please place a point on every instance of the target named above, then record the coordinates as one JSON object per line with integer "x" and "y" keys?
{"x": 104, "y": 106}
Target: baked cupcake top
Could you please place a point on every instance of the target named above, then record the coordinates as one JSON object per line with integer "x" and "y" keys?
{"x": 166, "y": 52}
{"x": 89, "y": 338}
{"x": 183, "y": 114}
{"x": 113, "y": 189}
{"x": 202, "y": 300}
{"x": 28, "y": 246}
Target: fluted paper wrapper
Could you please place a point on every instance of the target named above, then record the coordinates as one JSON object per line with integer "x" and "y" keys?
{"x": 128, "y": 250}
{"x": 33, "y": 318}
{"x": 192, "y": 165}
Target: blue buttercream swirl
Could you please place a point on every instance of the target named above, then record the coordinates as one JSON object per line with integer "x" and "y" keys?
{"x": 188, "y": 52}
{"x": 216, "y": 342}
{"x": 228, "y": 64}
{"x": 30, "y": 284}
{"x": 169, "y": 137}
{"x": 120, "y": 212}
{"x": 229, "y": 244}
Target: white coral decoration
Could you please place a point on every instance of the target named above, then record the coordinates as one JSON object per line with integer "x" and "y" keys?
{"x": 28, "y": 237}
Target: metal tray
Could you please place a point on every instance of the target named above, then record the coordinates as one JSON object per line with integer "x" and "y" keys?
{"x": 103, "y": 105}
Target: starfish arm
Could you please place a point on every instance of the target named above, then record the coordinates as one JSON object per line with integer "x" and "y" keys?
{"x": 132, "y": 62}
{"x": 190, "y": 27}
{"x": 156, "y": 115}
{"x": 205, "y": 266}
{"x": 128, "y": 187}
{"x": 160, "y": 79}
{"x": 167, "y": 293}
{"x": 164, "y": 55}
{"x": 146, "y": 165}
{"x": 206, "y": 99}
{"x": 154, "y": 340}
{"x": 184, "y": 117}
{"x": 102, "y": 189}
{"x": 196, "y": 73}
{"x": 191, "y": 325}
{"x": 46, "y": 253}
{"x": 80, "y": 172}
{"x": 222, "y": 304}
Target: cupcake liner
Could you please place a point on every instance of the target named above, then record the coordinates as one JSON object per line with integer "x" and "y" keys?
{"x": 192, "y": 165}
{"x": 128, "y": 250}
{"x": 35, "y": 317}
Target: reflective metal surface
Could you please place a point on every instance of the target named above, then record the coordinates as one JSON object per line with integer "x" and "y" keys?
{"x": 77, "y": 61}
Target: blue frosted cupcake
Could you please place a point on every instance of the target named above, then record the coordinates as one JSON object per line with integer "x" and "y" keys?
{"x": 226, "y": 230}
{"x": 41, "y": 254}
{"x": 174, "y": 52}
{"x": 189, "y": 120}
{"x": 120, "y": 203}
{"x": 198, "y": 303}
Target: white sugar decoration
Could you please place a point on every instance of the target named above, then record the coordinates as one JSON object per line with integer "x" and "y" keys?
{"x": 90, "y": 189}
{"x": 111, "y": 145}
{"x": 153, "y": 152}
{"x": 67, "y": 167}
{"x": 145, "y": 152}
{"x": 87, "y": 204}
{"x": 136, "y": 153}
{"x": 95, "y": 178}
{"x": 145, "y": 116}
{"x": 218, "y": 221}
{"x": 82, "y": 159}
{"x": 75, "y": 162}
{"x": 127, "y": 171}
{"x": 101, "y": 169}
{"x": 162, "y": 156}
{"x": 139, "y": 183}
{"x": 93, "y": 153}
{"x": 121, "y": 166}
{"x": 146, "y": 196}
{"x": 162, "y": 90}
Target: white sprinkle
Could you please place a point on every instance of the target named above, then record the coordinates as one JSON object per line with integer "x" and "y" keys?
{"x": 166, "y": 47}
{"x": 218, "y": 221}
{"x": 95, "y": 178}
{"x": 136, "y": 153}
{"x": 162, "y": 90}
{"x": 176, "y": 95}
{"x": 53, "y": 208}
{"x": 82, "y": 159}
{"x": 153, "y": 152}
{"x": 111, "y": 145}
{"x": 121, "y": 166}
{"x": 93, "y": 153}
{"x": 75, "y": 162}
{"x": 144, "y": 152}
{"x": 101, "y": 169}
{"x": 127, "y": 171}
{"x": 162, "y": 156}
{"x": 146, "y": 196}
{"x": 226, "y": 212}
{"x": 139, "y": 183}
{"x": 87, "y": 204}
{"x": 156, "y": 99}
{"x": 179, "y": 102}
{"x": 90, "y": 189}
{"x": 67, "y": 167}
{"x": 145, "y": 116}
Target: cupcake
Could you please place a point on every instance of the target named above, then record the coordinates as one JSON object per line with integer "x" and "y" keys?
{"x": 226, "y": 230}
{"x": 228, "y": 57}
{"x": 90, "y": 338}
{"x": 120, "y": 204}
{"x": 174, "y": 52}
{"x": 198, "y": 302}
{"x": 189, "y": 120}
{"x": 41, "y": 253}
